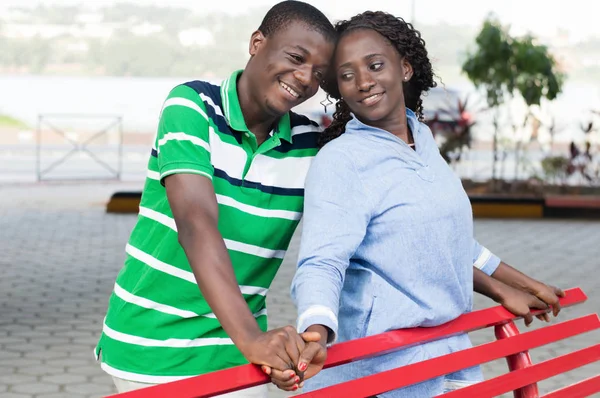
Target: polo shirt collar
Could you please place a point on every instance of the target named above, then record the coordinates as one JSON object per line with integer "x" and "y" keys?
{"x": 233, "y": 112}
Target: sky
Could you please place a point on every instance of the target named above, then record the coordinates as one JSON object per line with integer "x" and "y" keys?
{"x": 542, "y": 18}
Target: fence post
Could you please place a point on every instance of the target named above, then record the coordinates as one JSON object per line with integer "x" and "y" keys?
{"x": 38, "y": 149}
{"x": 120, "y": 150}
{"x": 517, "y": 361}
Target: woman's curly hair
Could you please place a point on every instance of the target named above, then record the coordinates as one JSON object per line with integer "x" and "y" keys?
{"x": 409, "y": 44}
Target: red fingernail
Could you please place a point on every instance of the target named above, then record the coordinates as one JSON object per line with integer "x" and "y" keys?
{"x": 264, "y": 369}
{"x": 295, "y": 387}
{"x": 302, "y": 366}
{"x": 297, "y": 380}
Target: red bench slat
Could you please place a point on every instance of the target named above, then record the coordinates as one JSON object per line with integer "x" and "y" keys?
{"x": 523, "y": 377}
{"x": 582, "y": 389}
{"x": 387, "y": 342}
{"x": 246, "y": 376}
{"x": 425, "y": 370}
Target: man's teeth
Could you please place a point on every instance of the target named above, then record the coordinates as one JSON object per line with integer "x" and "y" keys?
{"x": 289, "y": 89}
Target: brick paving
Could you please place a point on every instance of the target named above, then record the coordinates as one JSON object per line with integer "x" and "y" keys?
{"x": 61, "y": 253}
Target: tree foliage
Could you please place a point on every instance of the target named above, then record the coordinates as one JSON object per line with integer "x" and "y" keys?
{"x": 505, "y": 65}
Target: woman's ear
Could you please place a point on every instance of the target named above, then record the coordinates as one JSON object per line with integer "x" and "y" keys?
{"x": 407, "y": 70}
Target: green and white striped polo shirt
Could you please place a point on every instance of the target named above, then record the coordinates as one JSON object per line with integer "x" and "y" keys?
{"x": 159, "y": 328}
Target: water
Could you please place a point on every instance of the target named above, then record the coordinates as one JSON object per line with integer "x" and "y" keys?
{"x": 138, "y": 101}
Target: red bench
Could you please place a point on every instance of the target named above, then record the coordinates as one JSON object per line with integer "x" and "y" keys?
{"x": 510, "y": 344}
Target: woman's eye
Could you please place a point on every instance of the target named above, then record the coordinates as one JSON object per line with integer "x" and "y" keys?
{"x": 346, "y": 76}
{"x": 319, "y": 75}
{"x": 376, "y": 66}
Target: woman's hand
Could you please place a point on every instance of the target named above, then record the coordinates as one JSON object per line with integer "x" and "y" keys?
{"x": 519, "y": 303}
{"x": 550, "y": 295}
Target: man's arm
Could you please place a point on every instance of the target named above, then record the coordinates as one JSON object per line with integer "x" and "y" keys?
{"x": 183, "y": 151}
{"x": 195, "y": 209}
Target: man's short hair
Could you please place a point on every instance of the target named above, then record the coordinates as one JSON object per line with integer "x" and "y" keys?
{"x": 286, "y": 12}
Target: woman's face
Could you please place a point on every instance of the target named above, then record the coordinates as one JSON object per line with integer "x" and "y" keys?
{"x": 370, "y": 73}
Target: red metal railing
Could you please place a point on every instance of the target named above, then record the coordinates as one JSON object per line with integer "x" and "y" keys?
{"x": 521, "y": 379}
{"x": 517, "y": 361}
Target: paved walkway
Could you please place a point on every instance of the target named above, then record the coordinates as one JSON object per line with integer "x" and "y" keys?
{"x": 61, "y": 253}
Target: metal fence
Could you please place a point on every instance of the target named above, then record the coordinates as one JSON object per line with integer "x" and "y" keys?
{"x": 85, "y": 144}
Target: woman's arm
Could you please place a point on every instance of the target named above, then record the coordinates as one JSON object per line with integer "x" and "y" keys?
{"x": 514, "y": 300}
{"x": 515, "y": 278}
{"x": 337, "y": 211}
{"x": 485, "y": 261}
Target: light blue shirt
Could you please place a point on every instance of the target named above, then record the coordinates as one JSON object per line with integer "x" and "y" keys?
{"x": 387, "y": 243}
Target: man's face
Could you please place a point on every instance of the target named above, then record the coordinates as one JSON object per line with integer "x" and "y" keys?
{"x": 288, "y": 66}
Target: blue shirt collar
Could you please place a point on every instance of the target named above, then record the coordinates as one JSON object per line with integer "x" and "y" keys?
{"x": 411, "y": 119}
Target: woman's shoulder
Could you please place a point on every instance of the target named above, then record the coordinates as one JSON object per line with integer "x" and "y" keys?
{"x": 344, "y": 144}
{"x": 340, "y": 153}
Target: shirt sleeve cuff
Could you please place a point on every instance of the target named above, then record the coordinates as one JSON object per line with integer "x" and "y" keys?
{"x": 487, "y": 261}
{"x": 319, "y": 315}
{"x": 185, "y": 168}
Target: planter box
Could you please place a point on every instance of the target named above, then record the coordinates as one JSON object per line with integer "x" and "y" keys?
{"x": 552, "y": 206}
{"x": 502, "y": 206}
{"x": 484, "y": 206}
{"x": 124, "y": 202}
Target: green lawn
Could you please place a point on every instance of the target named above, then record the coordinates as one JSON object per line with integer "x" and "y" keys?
{"x": 9, "y": 121}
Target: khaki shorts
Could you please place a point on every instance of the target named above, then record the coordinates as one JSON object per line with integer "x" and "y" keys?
{"x": 254, "y": 392}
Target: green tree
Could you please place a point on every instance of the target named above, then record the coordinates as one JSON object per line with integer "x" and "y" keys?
{"x": 39, "y": 54}
{"x": 129, "y": 55}
{"x": 505, "y": 67}
{"x": 537, "y": 77}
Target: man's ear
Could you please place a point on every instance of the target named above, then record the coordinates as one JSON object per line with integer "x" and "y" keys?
{"x": 257, "y": 40}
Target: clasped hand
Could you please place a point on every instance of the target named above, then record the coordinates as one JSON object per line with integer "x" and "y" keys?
{"x": 286, "y": 356}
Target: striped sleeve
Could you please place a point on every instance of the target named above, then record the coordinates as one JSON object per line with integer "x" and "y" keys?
{"x": 182, "y": 143}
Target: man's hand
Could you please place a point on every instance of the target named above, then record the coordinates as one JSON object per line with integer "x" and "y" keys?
{"x": 278, "y": 351}
{"x": 519, "y": 303}
{"x": 310, "y": 361}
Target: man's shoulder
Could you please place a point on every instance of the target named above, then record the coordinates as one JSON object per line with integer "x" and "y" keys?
{"x": 304, "y": 132}
{"x": 204, "y": 90}
{"x": 301, "y": 124}
{"x": 297, "y": 119}
{"x": 207, "y": 96}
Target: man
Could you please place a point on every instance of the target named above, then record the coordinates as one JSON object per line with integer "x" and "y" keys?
{"x": 223, "y": 197}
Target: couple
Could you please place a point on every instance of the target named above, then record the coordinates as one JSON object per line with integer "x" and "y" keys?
{"x": 387, "y": 238}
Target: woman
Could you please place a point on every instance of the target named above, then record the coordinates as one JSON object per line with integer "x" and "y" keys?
{"x": 387, "y": 238}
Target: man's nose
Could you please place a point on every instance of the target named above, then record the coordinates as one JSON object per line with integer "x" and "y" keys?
{"x": 303, "y": 75}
